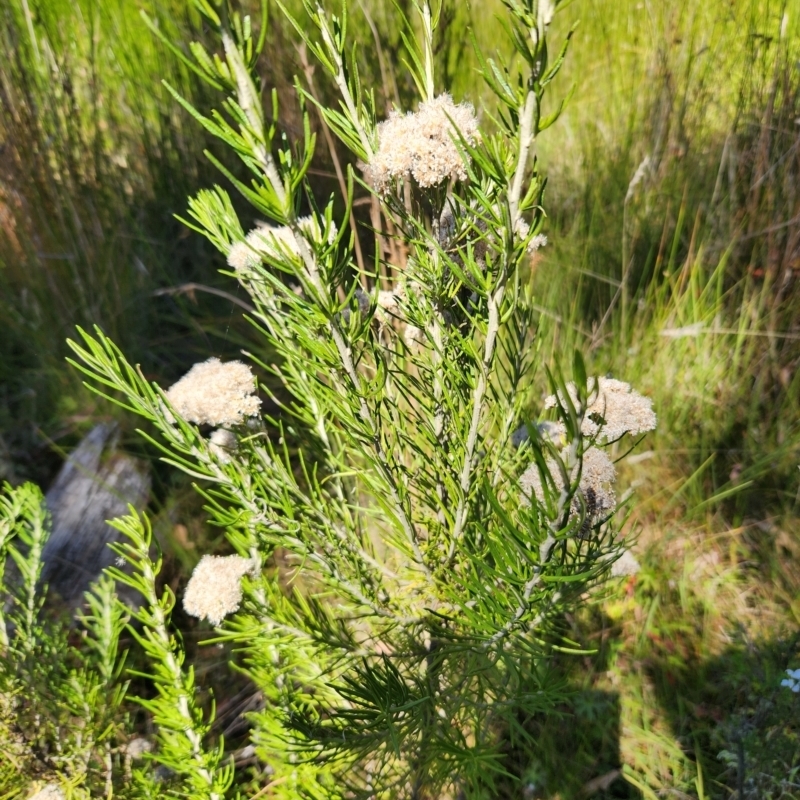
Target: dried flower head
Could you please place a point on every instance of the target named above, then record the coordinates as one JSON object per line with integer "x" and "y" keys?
{"x": 213, "y": 393}
{"x": 597, "y": 476}
{"x": 613, "y": 409}
{"x": 222, "y": 443}
{"x": 625, "y": 566}
{"x": 268, "y": 241}
{"x": 215, "y": 588}
{"x": 422, "y": 144}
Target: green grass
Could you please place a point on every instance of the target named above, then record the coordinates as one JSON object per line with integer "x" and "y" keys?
{"x": 703, "y": 302}
{"x": 684, "y": 283}
{"x": 97, "y": 161}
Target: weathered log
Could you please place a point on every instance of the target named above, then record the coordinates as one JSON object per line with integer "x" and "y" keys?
{"x": 95, "y": 484}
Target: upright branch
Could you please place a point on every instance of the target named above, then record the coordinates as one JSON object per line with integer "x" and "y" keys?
{"x": 527, "y": 113}
{"x": 312, "y": 273}
{"x": 181, "y": 729}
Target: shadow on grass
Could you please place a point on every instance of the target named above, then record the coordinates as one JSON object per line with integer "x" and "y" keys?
{"x": 735, "y": 723}
{"x": 579, "y": 752}
{"x": 734, "y": 716}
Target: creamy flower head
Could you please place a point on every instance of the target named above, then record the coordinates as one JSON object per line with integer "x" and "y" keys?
{"x": 215, "y": 588}
{"x": 422, "y": 144}
{"x": 50, "y": 792}
{"x": 276, "y": 242}
{"x": 596, "y": 481}
{"x": 213, "y": 393}
{"x": 623, "y": 410}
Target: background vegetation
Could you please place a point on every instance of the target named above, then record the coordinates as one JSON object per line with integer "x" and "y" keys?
{"x": 674, "y": 259}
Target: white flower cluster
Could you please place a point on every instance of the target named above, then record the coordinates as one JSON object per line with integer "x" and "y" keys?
{"x": 215, "y": 588}
{"x": 213, "y": 393}
{"x": 422, "y": 144}
{"x": 268, "y": 241}
{"x": 793, "y": 681}
{"x": 595, "y": 484}
{"x": 50, "y": 792}
{"x": 536, "y": 243}
{"x": 613, "y": 409}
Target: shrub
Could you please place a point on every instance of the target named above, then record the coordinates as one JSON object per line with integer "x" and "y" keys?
{"x": 407, "y": 540}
